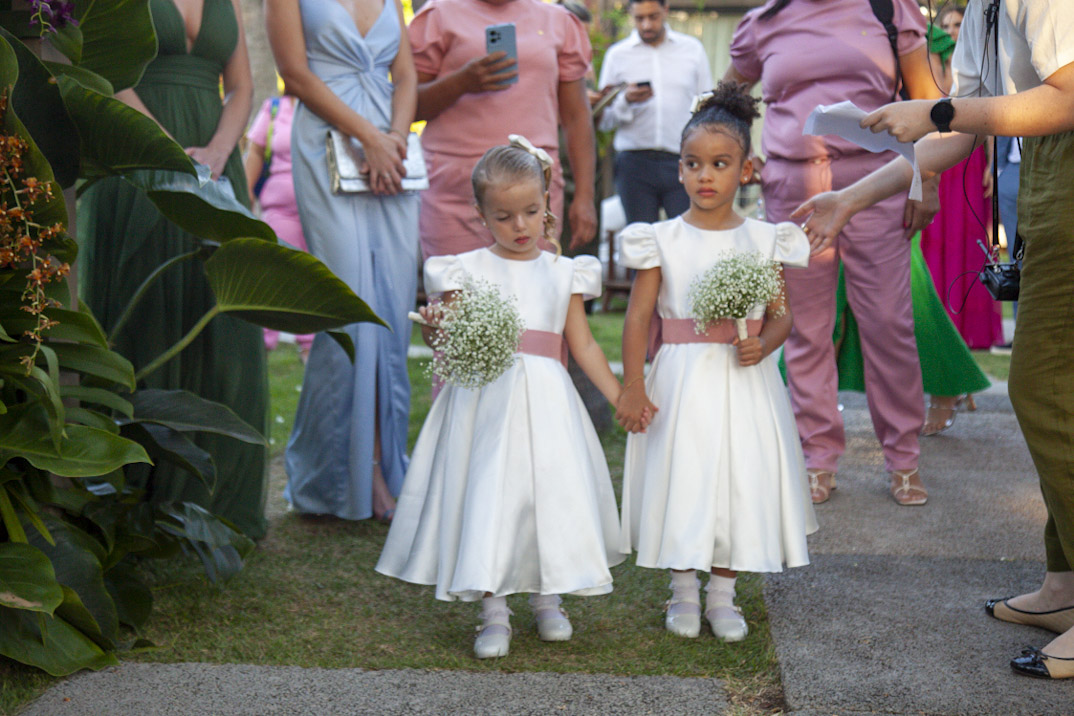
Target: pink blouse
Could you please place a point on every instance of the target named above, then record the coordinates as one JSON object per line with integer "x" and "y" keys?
{"x": 553, "y": 47}
{"x": 279, "y": 190}
{"x": 815, "y": 53}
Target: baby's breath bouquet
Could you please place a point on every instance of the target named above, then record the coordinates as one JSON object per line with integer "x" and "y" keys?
{"x": 480, "y": 333}
{"x": 734, "y": 285}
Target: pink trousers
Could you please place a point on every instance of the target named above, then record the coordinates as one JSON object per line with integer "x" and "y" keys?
{"x": 875, "y": 253}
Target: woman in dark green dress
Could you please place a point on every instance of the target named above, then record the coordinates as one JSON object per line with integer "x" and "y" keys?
{"x": 125, "y": 238}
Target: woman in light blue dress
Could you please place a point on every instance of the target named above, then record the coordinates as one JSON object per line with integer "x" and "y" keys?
{"x": 347, "y": 452}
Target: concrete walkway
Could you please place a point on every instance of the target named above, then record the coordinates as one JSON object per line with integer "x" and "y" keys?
{"x": 888, "y": 618}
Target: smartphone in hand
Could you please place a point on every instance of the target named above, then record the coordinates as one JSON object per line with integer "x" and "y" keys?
{"x": 502, "y": 38}
{"x": 644, "y": 83}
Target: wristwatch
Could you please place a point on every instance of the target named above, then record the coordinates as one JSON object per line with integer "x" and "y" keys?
{"x": 942, "y": 113}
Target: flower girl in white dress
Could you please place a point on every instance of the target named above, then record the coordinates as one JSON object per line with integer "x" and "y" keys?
{"x": 508, "y": 490}
{"x": 717, "y": 481}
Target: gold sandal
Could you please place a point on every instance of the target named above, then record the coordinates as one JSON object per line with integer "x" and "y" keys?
{"x": 821, "y": 484}
{"x": 905, "y": 493}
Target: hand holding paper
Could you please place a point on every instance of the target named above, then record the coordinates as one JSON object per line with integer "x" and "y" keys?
{"x": 844, "y": 120}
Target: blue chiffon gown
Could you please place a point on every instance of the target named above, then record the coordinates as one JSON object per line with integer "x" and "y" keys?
{"x": 371, "y": 243}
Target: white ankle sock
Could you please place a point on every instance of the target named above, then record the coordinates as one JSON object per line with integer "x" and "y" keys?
{"x": 545, "y": 601}
{"x": 720, "y": 592}
{"x": 490, "y": 605}
{"x": 685, "y": 579}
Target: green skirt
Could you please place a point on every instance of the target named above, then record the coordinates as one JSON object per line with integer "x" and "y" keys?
{"x": 947, "y": 366}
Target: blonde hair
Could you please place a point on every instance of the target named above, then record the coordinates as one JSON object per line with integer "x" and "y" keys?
{"x": 512, "y": 162}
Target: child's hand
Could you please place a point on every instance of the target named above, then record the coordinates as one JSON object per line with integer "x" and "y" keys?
{"x": 635, "y": 411}
{"x": 750, "y": 351}
{"x": 432, "y": 314}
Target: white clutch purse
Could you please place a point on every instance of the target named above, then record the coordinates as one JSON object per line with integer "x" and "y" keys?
{"x": 345, "y": 155}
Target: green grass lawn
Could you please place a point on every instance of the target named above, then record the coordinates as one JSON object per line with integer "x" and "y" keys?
{"x": 309, "y": 596}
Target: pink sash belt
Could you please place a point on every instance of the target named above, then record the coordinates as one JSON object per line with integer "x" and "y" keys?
{"x": 545, "y": 344}
{"x": 682, "y": 330}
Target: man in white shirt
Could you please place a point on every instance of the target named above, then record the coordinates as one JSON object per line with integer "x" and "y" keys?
{"x": 661, "y": 71}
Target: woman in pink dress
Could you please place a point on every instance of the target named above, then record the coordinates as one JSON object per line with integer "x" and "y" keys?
{"x": 471, "y": 105}
{"x": 277, "y": 195}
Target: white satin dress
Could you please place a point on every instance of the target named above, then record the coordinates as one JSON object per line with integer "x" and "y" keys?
{"x": 718, "y": 480}
{"x": 508, "y": 490}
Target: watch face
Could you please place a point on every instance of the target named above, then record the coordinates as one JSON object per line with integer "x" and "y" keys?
{"x": 942, "y": 113}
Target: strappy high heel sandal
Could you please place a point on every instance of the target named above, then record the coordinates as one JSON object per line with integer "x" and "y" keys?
{"x": 935, "y": 427}
{"x": 904, "y": 492}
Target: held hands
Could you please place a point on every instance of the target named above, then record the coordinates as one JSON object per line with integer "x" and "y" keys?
{"x": 634, "y": 411}
{"x": 751, "y": 350}
{"x": 488, "y": 73}
{"x": 212, "y": 158}
{"x": 907, "y": 121}
{"x": 384, "y": 155}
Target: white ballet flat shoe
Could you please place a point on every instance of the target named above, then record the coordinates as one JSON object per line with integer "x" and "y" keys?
{"x": 683, "y": 612}
{"x": 494, "y": 635}
{"x": 553, "y": 625}
{"x": 727, "y": 623}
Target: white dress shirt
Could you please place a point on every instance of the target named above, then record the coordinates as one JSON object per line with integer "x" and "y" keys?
{"x": 678, "y": 70}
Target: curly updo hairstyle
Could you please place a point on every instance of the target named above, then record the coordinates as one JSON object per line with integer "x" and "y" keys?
{"x": 729, "y": 107}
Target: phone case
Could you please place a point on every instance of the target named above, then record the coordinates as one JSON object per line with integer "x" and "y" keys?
{"x": 502, "y": 37}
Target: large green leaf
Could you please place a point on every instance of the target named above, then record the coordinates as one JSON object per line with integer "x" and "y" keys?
{"x": 209, "y": 211}
{"x": 27, "y": 580}
{"x": 118, "y": 39}
{"x": 37, "y": 100}
{"x": 49, "y": 643}
{"x": 95, "y": 361}
{"x": 74, "y": 326}
{"x": 89, "y": 80}
{"x": 98, "y": 396}
{"x": 117, "y": 139}
{"x": 183, "y": 411}
{"x": 282, "y": 288}
{"x": 83, "y": 452}
{"x": 219, "y": 545}
{"x": 133, "y": 598}
{"x": 172, "y": 446}
{"x": 76, "y": 557}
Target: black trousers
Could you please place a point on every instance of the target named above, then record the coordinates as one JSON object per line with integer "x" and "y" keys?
{"x": 647, "y": 180}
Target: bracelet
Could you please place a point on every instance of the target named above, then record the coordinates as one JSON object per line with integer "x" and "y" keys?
{"x": 642, "y": 377}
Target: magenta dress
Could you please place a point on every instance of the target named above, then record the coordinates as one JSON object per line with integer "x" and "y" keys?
{"x": 950, "y": 248}
{"x": 277, "y": 199}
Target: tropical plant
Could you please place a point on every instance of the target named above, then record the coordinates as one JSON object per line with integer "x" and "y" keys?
{"x": 72, "y": 530}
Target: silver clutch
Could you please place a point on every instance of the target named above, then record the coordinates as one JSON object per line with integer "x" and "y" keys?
{"x": 345, "y": 155}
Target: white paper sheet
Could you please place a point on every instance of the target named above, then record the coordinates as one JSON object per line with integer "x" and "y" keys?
{"x": 844, "y": 120}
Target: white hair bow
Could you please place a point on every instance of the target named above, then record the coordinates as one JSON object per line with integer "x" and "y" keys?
{"x": 521, "y": 142}
{"x": 699, "y": 99}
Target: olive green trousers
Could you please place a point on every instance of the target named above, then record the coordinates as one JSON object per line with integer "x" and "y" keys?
{"x": 1042, "y": 362}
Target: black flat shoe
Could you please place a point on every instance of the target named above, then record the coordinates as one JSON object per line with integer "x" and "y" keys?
{"x": 1057, "y": 620}
{"x": 1034, "y": 662}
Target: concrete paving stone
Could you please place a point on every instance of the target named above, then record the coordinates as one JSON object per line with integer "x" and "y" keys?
{"x": 236, "y": 690}
{"x": 907, "y": 635}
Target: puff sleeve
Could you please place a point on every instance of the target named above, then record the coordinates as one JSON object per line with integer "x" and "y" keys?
{"x": 637, "y": 247}
{"x": 428, "y": 41}
{"x": 444, "y": 273}
{"x": 791, "y": 246}
{"x": 587, "y": 280}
